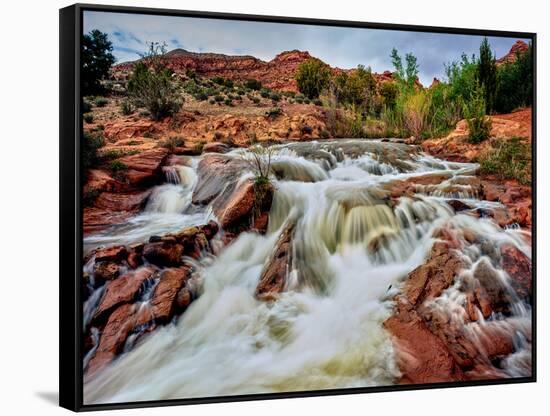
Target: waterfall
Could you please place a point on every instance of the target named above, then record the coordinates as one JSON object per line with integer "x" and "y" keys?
{"x": 353, "y": 246}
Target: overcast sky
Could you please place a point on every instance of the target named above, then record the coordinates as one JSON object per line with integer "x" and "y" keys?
{"x": 340, "y": 47}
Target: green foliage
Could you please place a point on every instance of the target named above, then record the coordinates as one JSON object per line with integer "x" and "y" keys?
{"x": 86, "y": 107}
{"x": 253, "y": 84}
{"x": 318, "y": 102}
{"x": 90, "y": 145}
{"x": 264, "y": 93}
{"x": 117, "y": 166}
{"x": 515, "y": 83}
{"x": 228, "y": 102}
{"x": 101, "y": 101}
{"x": 487, "y": 74}
{"x": 275, "y": 96}
{"x": 172, "y": 142}
{"x": 324, "y": 134}
{"x": 151, "y": 85}
{"x": 479, "y": 125}
{"x": 199, "y": 146}
{"x": 218, "y": 98}
{"x": 218, "y": 80}
{"x": 126, "y": 108}
{"x": 256, "y": 100}
{"x": 88, "y": 118}
{"x": 389, "y": 92}
{"x": 312, "y": 77}
{"x": 357, "y": 90}
{"x": 462, "y": 78}
{"x": 97, "y": 59}
{"x": 416, "y": 107}
{"x": 510, "y": 159}
{"x": 406, "y": 75}
{"x": 274, "y": 112}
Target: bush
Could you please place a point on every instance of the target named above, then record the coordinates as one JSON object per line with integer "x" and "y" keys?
{"x": 117, "y": 166}
{"x": 151, "y": 85}
{"x": 228, "y": 102}
{"x": 274, "y": 112}
{"x": 88, "y": 118}
{"x": 212, "y": 101}
{"x": 199, "y": 146}
{"x": 264, "y": 93}
{"x": 479, "y": 125}
{"x": 253, "y": 84}
{"x": 415, "y": 113}
{"x": 312, "y": 77}
{"x": 97, "y": 59}
{"x": 324, "y": 134}
{"x": 201, "y": 96}
{"x": 256, "y": 100}
{"x": 218, "y": 98}
{"x": 172, "y": 142}
{"x": 515, "y": 83}
{"x": 510, "y": 159}
{"x": 86, "y": 107}
{"x": 126, "y": 108}
{"x": 218, "y": 80}
{"x": 318, "y": 102}
{"x": 275, "y": 96}
{"x": 101, "y": 101}
{"x": 90, "y": 145}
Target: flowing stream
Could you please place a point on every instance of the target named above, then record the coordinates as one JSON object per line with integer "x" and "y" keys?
{"x": 353, "y": 247}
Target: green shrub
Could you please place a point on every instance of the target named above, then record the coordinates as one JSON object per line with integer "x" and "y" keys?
{"x": 96, "y": 59}
{"x": 90, "y": 145}
{"x": 256, "y": 100}
{"x": 201, "y": 96}
{"x": 228, "y": 102}
{"x": 312, "y": 77}
{"x": 515, "y": 83}
{"x": 479, "y": 126}
{"x": 218, "y": 80}
{"x": 86, "y": 107}
{"x": 172, "y": 142}
{"x": 253, "y": 84}
{"x": 274, "y": 112}
{"x": 264, "y": 93}
{"x": 126, "y": 108}
{"x": 101, "y": 101}
{"x": 88, "y": 118}
{"x": 324, "y": 134}
{"x": 510, "y": 159}
{"x": 117, "y": 166}
{"x": 228, "y": 83}
{"x": 275, "y": 96}
{"x": 318, "y": 102}
{"x": 212, "y": 101}
{"x": 151, "y": 85}
{"x": 218, "y": 98}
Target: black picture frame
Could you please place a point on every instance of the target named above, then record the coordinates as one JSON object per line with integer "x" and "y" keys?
{"x": 70, "y": 214}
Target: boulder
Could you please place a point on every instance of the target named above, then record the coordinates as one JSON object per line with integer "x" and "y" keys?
{"x": 273, "y": 279}
{"x": 164, "y": 253}
{"x": 144, "y": 169}
{"x": 164, "y": 302}
{"x": 120, "y": 291}
{"x": 114, "y": 253}
{"x": 491, "y": 288}
{"x": 105, "y": 271}
{"x": 215, "y": 147}
{"x": 519, "y": 268}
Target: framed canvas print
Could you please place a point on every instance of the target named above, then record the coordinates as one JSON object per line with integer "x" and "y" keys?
{"x": 258, "y": 207}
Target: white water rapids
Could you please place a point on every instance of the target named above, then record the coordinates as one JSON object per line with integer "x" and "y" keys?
{"x": 352, "y": 249}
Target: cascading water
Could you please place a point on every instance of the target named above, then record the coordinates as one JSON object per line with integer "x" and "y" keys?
{"x": 352, "y": 248}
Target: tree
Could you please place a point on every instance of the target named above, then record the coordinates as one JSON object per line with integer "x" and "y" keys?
{"x": 487, "y": 74}
{"x": 406, "y": 75}
{"x": 96, "y": 60}
{"x": 312, "y": 77}
{"x": 151, "y": 85}
{"x": 515, "y": 83}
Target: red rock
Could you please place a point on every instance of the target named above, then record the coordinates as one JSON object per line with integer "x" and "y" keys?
{"x": 125, "y": 129}
{"x": 492, "y": 289}
{"x": 273, "y": 279}
{"x": 429, "y": 280}
{"x": 458, "y": 205}
{"x": 104, "y": 271}
{"x": 164, "y": 301}
{"x": 519, "y": 268}
{"x": 114, "y": 253}
{"x": 122, "y": 290}
{"x": 98, "y": 219}
{"x": 144, "y": 168}
{"x": 518, "y": 47}
{"x": 421, "y": 356}
{"x": 215, "y": 148}
{"x": 163, "y": 253}
{"x": 120, "y": 324}
{"x": 99, "y": 180}
{"x": 129, "y": 201}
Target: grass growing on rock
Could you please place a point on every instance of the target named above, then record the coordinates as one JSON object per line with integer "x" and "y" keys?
{"x": 509, "y": 159}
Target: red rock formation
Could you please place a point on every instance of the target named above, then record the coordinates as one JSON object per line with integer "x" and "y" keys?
{"x": 518, "y": 47}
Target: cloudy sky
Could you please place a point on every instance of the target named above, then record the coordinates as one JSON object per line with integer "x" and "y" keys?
{"x": 340, "y": 47}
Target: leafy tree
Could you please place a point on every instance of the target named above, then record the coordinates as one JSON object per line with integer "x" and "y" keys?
{"x": 479, "y": 125}
{"x": 406, "y": 75}
{"x": 389, "y": 92}
{"x": 97, "y": 59}
{"x": 515, "y": 83}
{"x": 462, "y": 77}
{"x": 151, "y": 85}
{"x": 487, "y": 74}
{"x": 253, "y": 84}
{"x": 312, "y": 77}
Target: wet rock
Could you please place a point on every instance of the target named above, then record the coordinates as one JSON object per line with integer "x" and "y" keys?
{"x": 120, "y": 325}
{"x": 144, "y": 169}
{"x": 98, "y": 219}
{"x": 274, "y": 275}
{"x": 163, "y": 253}
{"x": 127, "y": 201}
{"x": 215, "y": 147}
{"x": 519, "y": 268}
{"x": 122, "y": 290}
{"x": 115, "y": 253}
{"x": 458, "y": 205}
{"x": 492, "y": 288}
{"x": 216, "y": 174}
{"x": 165, "y": 302}
{"x": 422, "y": 357}
{"x": 105, "y": 271}
{"x": 430, "y": 279}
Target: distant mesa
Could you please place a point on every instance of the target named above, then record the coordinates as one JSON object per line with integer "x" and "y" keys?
{"x": 277, "y": 74}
